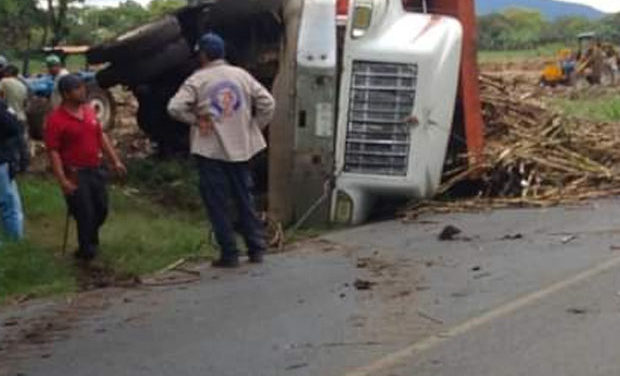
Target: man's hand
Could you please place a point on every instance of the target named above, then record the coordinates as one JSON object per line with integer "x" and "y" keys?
{"x": 205, "y": 125}
{"x": 68, "y": 188}
{"x": 120, "y": 169}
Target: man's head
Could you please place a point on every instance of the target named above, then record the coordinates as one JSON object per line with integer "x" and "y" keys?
{"x": 54, "y": 64}
{"x": 73, "y": 89}
{"x": 11, "y": 71}
{"x": 211, "y": 47}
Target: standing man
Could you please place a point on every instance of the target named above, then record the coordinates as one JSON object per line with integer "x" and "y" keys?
{"x": 218, "y": 102}
{"x": 57, "y": 71}
{"x": 11, "y": 161}
{"x": 14, "y": 92}
{"x": 75, "y": 142}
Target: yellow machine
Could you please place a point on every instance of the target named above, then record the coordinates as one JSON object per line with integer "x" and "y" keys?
{"x": 556, "y": 73}
{"x": 595, "y": 62}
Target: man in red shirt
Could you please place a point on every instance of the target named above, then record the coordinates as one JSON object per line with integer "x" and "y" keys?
{"x": 75, "y": 142}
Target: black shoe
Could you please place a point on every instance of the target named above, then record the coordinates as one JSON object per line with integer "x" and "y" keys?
{"x": 226, "y": 263}
{"x": 82, "y": 256}
{"x": 256, "y": 258}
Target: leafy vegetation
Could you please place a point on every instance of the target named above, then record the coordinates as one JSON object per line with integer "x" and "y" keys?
{"x": 518, "y": 29}
{"x": 31, "y": 24}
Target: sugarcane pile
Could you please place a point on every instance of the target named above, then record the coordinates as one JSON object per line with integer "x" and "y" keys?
{"x": 534, "y": 156}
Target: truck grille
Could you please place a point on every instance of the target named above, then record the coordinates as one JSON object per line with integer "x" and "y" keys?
{"x": 382, "y": 96}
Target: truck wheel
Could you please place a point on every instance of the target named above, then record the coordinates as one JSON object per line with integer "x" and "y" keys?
{"x": 108, "y": 77}
{"x": 104, "y": 105}
{"x": 148, "y": 67}
{"x": 140, "y": 41}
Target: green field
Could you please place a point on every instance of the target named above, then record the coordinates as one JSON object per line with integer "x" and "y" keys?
{"x": 141, "y": 236}
{"x": 547, "y": 51}
{"x": 605, "y": 108}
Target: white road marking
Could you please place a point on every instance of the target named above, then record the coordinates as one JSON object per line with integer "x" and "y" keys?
{"x": 428, "y": 343}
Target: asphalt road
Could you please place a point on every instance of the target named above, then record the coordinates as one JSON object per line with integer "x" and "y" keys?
{"x": 519, "y": 292}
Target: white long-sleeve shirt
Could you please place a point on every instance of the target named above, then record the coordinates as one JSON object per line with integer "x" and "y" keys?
{"x": 228, "y": 95}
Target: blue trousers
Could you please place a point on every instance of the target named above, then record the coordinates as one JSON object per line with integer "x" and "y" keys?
{"x": 224, "y": 186}
{"x": 11, "y": 212}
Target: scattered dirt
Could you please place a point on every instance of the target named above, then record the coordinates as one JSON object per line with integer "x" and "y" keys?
{"x": 363, "y": 285}
{"x": 31, "y": 335}
{"x": 449, "y": 233}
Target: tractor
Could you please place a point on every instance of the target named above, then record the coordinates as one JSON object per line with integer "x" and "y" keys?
{"x": 41, "y": 87}
{"x": 594, "y": 63}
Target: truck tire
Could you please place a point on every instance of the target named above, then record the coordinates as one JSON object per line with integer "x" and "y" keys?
{"x": 140, "y": 41}
{"x": 171, "y": 137}
{"x": 147, "y": 68}
{"x": 108, "y": 77}
{"x": 104, "y": 105}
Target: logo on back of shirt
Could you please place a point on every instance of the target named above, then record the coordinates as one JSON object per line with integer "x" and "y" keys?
{"x": 225, "y": 99}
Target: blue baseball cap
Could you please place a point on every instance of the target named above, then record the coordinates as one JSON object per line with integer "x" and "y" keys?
{"x": 212, "y": 45}
{"x": 69, "y": 83}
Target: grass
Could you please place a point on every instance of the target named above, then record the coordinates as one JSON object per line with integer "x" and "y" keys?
{"x": 604, "y": 108}
{"x": 546, "y": 51}
{"x": 141, "y": 236}
{"x": 33, "y": 270}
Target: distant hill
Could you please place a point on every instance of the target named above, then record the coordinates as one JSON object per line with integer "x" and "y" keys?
{"x": 550, "y": 9}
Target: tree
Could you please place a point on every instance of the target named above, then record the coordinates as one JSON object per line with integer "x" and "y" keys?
{"x": 158, "y": 8}
{"x": 512, "y": 29}
{"x": 57, "y": 11}
{"x": 17, "y": 19}
{"x": 91, "y": 25}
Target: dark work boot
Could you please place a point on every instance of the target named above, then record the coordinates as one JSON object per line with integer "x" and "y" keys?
{"x": 256, "y": 257}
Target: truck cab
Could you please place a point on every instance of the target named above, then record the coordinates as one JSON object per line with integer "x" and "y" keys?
{"x": 400, "y": 72}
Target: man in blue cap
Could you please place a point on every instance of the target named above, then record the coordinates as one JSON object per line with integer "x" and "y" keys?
{"x": 227, "y": 109}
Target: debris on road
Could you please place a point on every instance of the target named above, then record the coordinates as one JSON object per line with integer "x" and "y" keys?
{"x": 568, "y": 239}
{"x": 362, "y": 284}
{"x": 449, "y": 233}
{"x": 534, "y": 156}
{"x": 425, "y": 315}
{"x": 577, "y": 311}
{"x": 512, "y": 237}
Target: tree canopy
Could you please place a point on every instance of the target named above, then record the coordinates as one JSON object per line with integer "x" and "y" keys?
{"x": 33, "y": 23}
{"x": 520, "y": 28}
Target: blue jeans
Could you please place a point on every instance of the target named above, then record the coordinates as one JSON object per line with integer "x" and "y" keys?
{"x": 11, "y": 211}
{"x": 223, "y": 183}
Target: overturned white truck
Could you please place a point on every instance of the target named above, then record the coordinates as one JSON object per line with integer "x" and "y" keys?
{"x": 365, "y": 99}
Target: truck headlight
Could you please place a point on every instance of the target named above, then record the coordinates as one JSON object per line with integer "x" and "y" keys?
{"x": 344, "y": 208}
{"x": 362, "y": 15}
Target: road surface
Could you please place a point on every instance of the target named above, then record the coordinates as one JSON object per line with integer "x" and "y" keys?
{"x": 519, "y": 292}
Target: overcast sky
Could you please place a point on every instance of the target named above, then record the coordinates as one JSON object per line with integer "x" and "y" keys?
{"x": 604, "y": 5}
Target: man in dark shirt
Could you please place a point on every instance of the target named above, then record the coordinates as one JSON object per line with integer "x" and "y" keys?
{"x": 12, "y": 160}
{"x": 75, "y": 142}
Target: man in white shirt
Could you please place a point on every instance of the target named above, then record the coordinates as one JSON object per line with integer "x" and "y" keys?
{"x": 227, "y": 110}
